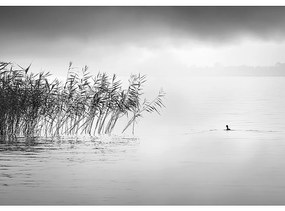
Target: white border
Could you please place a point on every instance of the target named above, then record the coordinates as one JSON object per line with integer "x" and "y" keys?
{"x": 142, "y": 3}
{"x": 142, "y": 208}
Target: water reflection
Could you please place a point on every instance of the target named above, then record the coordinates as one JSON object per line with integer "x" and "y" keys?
{"x": 44, "y": 165}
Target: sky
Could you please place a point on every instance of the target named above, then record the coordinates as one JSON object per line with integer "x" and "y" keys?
{"x": 158, "y": 41}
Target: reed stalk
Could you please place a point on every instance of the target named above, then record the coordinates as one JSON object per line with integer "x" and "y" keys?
{"x": 33, "y": 105}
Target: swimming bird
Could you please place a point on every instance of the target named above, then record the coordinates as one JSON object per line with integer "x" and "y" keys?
{"x": 228, "y": 127}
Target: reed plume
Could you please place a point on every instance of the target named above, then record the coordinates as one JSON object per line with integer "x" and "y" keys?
{"x": 33, "y": 105}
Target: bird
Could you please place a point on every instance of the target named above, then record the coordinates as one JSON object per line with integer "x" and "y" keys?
{"x": 227, "y": 127}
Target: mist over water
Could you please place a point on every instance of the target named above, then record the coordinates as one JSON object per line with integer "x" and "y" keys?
{"x": 183, "y": 156}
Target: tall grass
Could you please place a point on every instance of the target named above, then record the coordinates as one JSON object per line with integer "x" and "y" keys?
{"x": 33, "y": 105}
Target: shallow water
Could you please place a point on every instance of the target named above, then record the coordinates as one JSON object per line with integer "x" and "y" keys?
{"x": 182, "y": 157}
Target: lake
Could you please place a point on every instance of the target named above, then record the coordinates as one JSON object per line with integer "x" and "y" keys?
{"x": 183, "y": 157}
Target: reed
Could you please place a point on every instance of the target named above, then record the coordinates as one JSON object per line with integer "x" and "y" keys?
{"x": 32, "y": 105}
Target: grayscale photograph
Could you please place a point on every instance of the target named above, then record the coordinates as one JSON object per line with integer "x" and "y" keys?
{"x": 142, "y": 105}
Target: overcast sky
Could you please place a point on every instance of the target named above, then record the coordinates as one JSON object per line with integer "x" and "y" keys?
{"x": 152, "y": 40}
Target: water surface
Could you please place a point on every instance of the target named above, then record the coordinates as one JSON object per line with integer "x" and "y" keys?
{"x": 182, "y": 157}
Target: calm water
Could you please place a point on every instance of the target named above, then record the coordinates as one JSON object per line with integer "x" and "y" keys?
{"x": 181, "y": 157}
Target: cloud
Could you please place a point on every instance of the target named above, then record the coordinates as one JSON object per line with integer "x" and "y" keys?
{"x": 118, "y": 25}
{"x": 151, "y": 38}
